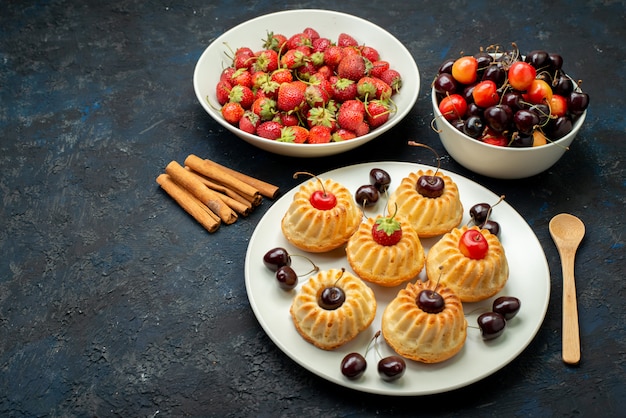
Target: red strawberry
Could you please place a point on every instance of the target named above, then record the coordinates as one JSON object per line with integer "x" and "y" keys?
{"x": 244, "y": 57}
{"x": 227, "y": 73}
{"x": 222, "y": 91}
{"x": 383, "y": 90}
{"x": 315, "y": 95}
{"x": 282, "y": 75}
{"x": 362, "y": 129}
{"x": 324, "y": 72}
{"x": 321, "y": 116}
{"x": 352, "y": 67}
{"x": 321, "y": 44}
{"x": 342, "y": 135}
{"x": 249, "y": 122}
{"x": 319, "y": 134}
{"x": 343, "y": 89}
{"x": 366, "y": 88}
{"x": 275, "y": 41}
{"x": 266, "y": 60}
{"x": 346, "y": 40}
{"x": 333, "y": 55}
{"x": 378, "y": 68}
{"x": 370, "y": 53}
{"x": 287, "y": 119}
{"x": 264, "y": 107}
{"x": 241, "y": 77}
{"x": 295, "y": 134}
{"x": 387, "y": 231}
{"x": 305, "y": 71}
{"x": 269, "y": 130}
{"x": 311, "y": 33}
{"x": 242, "y": 95}
{"x": 377, "y": 113}
{"x": 351, "y": 115}
{"x": 298, "y": 39}
{"x": 293, "y": 58}
{"x": 290, "y": 96}
{"x": 232, "y": 112}
{"x": 393, "y": 78}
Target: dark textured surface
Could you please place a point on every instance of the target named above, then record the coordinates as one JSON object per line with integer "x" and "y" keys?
{"x": 114, "y": 302}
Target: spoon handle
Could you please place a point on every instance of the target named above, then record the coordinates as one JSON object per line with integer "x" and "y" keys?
{"x": 571, "y": 333}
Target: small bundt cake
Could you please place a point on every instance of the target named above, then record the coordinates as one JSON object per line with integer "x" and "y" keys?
{"x": 316, "y": 230}
{"x": 385, "y": 265}
{"x": 430, "y": 334}
{"x": 430, "y": 216}
{"x": 330, "y": 327}
{"x": 471, "y": 279}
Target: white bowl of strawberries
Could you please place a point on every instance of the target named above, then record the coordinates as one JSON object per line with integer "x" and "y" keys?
{"x": 307, "y": 83}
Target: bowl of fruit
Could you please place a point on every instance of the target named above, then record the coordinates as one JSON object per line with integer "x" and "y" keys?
{"x": 506, "y": 115}
{"x": 307, "y": 83}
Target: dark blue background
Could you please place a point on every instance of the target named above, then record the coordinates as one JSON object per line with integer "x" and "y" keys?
{"x": 114, "y": 302}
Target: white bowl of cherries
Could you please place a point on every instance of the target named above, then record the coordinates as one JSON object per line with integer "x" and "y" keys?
{"x": 506, "y": 115}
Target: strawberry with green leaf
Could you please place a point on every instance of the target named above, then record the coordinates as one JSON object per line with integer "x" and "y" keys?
{"x": 387, "y": 230}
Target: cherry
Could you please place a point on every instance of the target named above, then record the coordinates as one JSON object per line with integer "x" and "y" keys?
{"x": 494, "y": 73}
{"x": 473, "y": 127}
{"x": 563, "y": 86}
{"x": 556, "y": 62}
{"x": 367, "y": 195}
{"x": 473, "y": 244}
{"x": 445, "y": 84}
{"x": 539, "y": 91}
{"x": 464, "y": 69}
{"x": 479, "y": 212}
{"x": 331, "y": 298}
{"x": 353, "y": 365}
{"x": 521, "y": 74}
{"x": 522, "y": 140}
{"x": 498, "y": 117}
{"x": 525, "y": 121}
{"x": 276, "y": 258}
{"x": 558, "y": 105}
{"x": 380, "y": 179}
{"x": 491, "y": 325}
{"x": 538, "y": 59}
{"x": 430, "y": 301}
{"x": 391, "y": 368}
{"x": 577, "y": 102}
{"x": 320, "y": 199}
{"x": 559, "y": 127}
{"x": 429, "y": 186}
{"x": 492, "y": 226}
{"x": 287, "y": 278}
{"x": 453, "y": 106}
{"x": 446, "y": 66}
{"x": 485, "y": 94}
{"x": 507, "y": 306}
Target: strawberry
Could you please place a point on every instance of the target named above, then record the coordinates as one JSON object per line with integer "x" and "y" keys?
{"x": 266, "y": 61}
{"x": 393, "y": 78}
{"x": 320, "y": 44}
{"x": 319, "y": 134}
{"x": 352, "y": 67}
{"x": 269, "y": 129}
{"x": 342, "y": 135}
{"x": 324, "y": 72}
{"x": 315, "y": 95}
{"x": 287, "y": 119}
{"x": 370, "y": 53}
{"x": 293, "y": 58}
{"x": 377, "y": 112}
{"x": 249, "y": 122}
{"x": 333, "y": 55}
{"x": 241, "y": 77}
{"x": 264, "y": 107}
{"x": 378, "y": 68}
{"x": 242, "y": 95}
{"x": 298, "y": 39}
{"x": 227, "y": 73}
{"x": 290, "y": 96}
{"x": 305, "y": 71}
{"x": 346, "y": 40}
{"x": 222, "y": 91}
{"x": 387, "y": 231}
{"x": 311, "y": 33}
{"x": 295, "y": 134}
{"x": 244, "y": 57}
{"x": 275, "y": 41}
{"x": 232, "y": 112}
{"x": 321, "y": 116}
{"x": 343, "y": 89}
{"x": 362, "y": 129}
{"x": 282, "y": 75}
{"x": 366, "y": 88}
{"x": 383, "y": 90}
{"x": 351, "y": 115}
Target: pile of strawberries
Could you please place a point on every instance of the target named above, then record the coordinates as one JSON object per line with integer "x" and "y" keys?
{"x": 308, "y": 89}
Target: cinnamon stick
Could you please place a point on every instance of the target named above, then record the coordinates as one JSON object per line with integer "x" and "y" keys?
{"x": 244, "y": 200}
{"x": 215, "y": 173}
{"x": 189, "y": 203}
{"x": 207, "y": 196}
{"x": 266, "y": 189}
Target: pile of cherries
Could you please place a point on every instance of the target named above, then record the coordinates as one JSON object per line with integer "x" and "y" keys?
{"x": 493, "y": 323}
{"x": 503, "y": 98}
{"x": 368, "y": 194}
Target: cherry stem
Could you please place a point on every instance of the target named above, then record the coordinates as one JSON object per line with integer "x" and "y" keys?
{"x": 315, "y": 266}
{"x": 297, "y": 173}
{"x": 491, "y": 208}
{"x": 418, "y": 144}
{"x": 370, "y": 343}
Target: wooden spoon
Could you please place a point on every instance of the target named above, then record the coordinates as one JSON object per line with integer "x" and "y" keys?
{"x": 567, "y": 232}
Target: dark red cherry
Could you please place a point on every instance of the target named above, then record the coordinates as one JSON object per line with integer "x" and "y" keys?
{"x": 276, "y": 258}
{"x": 491, "y": 325}
{"x": 366, "y": 195}
{"x": 507, "y": 306}
{"x": 430, "y": 186}
{"x": 287, "y": 278}
{"x": 577, "y": 102}
{"x": 331, "y": 298}
{"x": 430, "y": 301}
{"x": 380, "y": 179}
{"x": 492, "y": 226}
{"x": 323, "y": 200}
{"x": 353, "y": 366}
{"x": 479, "y": 212}
{"x": 391, "y": 368}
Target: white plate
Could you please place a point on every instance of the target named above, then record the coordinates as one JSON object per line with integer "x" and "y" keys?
{"x": 529, "y": 281}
